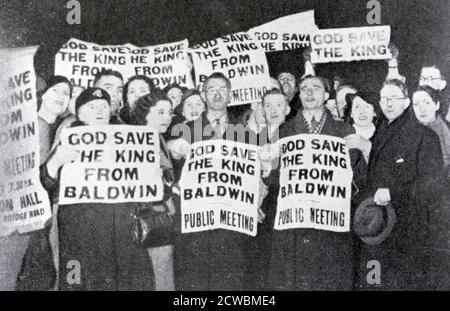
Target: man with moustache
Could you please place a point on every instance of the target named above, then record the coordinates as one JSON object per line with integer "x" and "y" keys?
{"x": 289, "y": 74}
{"x": 211, "y": 260}
{"x": 288, "y": 84}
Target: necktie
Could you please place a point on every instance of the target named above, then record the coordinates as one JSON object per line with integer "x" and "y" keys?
{"x": 314, "y": 125}
{"x": 217, "y": 128}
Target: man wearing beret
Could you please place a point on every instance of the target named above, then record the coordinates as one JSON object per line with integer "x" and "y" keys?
{"x": 406, "y": 171}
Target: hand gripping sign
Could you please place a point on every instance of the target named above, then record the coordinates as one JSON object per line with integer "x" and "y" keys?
{"x": 315, "y": 183}
{"x": 118, "y": 163}
{"x": 165, "y": 64}
{"x": 220, "y": 187}
{"x": 24, "y": 204}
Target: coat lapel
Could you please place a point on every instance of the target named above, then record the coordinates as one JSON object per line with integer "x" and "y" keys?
{"x": 388, "y": 132}
{"x": 300, "y": 124}
{"x": 327, "y": 129}
{"x": 329, "y": 126}
{"x": 198, "y": 129}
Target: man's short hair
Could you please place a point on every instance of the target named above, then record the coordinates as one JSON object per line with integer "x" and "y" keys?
{"x": 397, "y": 83}
{"x": 313, "y": 77}
{"x": 107, "y": 72}
{"x": 286, "y": 72}
{"x": 217, "y": 75}
{"x": 274, "y": 92}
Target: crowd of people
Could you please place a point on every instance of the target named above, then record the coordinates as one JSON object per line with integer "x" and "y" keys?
{"x": 399, "y": 143}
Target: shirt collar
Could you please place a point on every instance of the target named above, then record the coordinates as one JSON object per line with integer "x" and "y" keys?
{"x": 317, "y": 114}
{"x": 212, "y": 119}
{"x": 271, "y": 130}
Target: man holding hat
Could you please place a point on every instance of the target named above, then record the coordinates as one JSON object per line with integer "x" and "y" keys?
{"x": 405, "y": 174}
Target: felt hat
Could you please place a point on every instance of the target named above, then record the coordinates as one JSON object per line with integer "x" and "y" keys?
{"x": 374, "y": 223}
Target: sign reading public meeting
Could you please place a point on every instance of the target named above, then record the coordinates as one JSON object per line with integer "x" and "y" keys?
{"x": 220, "y": 187}
{"x": 24, "y": 204}
{"x": 315, "y": 183}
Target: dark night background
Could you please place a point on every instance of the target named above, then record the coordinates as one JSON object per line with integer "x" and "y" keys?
{"x": 419, "y": 27}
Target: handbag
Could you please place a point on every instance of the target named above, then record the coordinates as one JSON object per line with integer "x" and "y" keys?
{"x": 151, "y": 227}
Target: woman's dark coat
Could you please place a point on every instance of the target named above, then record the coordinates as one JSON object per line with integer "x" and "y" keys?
{"x": 99, "y": 237}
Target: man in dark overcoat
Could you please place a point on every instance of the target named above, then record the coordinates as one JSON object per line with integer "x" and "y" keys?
{"x": 310, "y": 259}
{"x": 212, "y": 260}
{"x": 406, "y": 170}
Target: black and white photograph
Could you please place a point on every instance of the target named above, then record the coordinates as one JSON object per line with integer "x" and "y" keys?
{"x": 226, "y": 146}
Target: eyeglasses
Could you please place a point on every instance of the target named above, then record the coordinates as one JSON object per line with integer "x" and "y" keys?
{"x": 212, "y": 91}
{"x": 429, "y": 79}
{"x": 288, "y": 79}
{"x": 386, "y": 100}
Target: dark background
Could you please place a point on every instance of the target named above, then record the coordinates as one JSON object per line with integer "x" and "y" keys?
{"x": 420, "y": 28}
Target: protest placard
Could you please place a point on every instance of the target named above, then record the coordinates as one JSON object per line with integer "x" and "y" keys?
{"x": 315, "y": 183}
{"x": 80, "y": 61}
{"x": 240, "y": 58}
{"x": 24, "y": 204}
{"x": 350, "y": 44}
{"x": 286, "y": 33}
{"x": 117, "y": 163}
{"x": 220, "y": 187}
